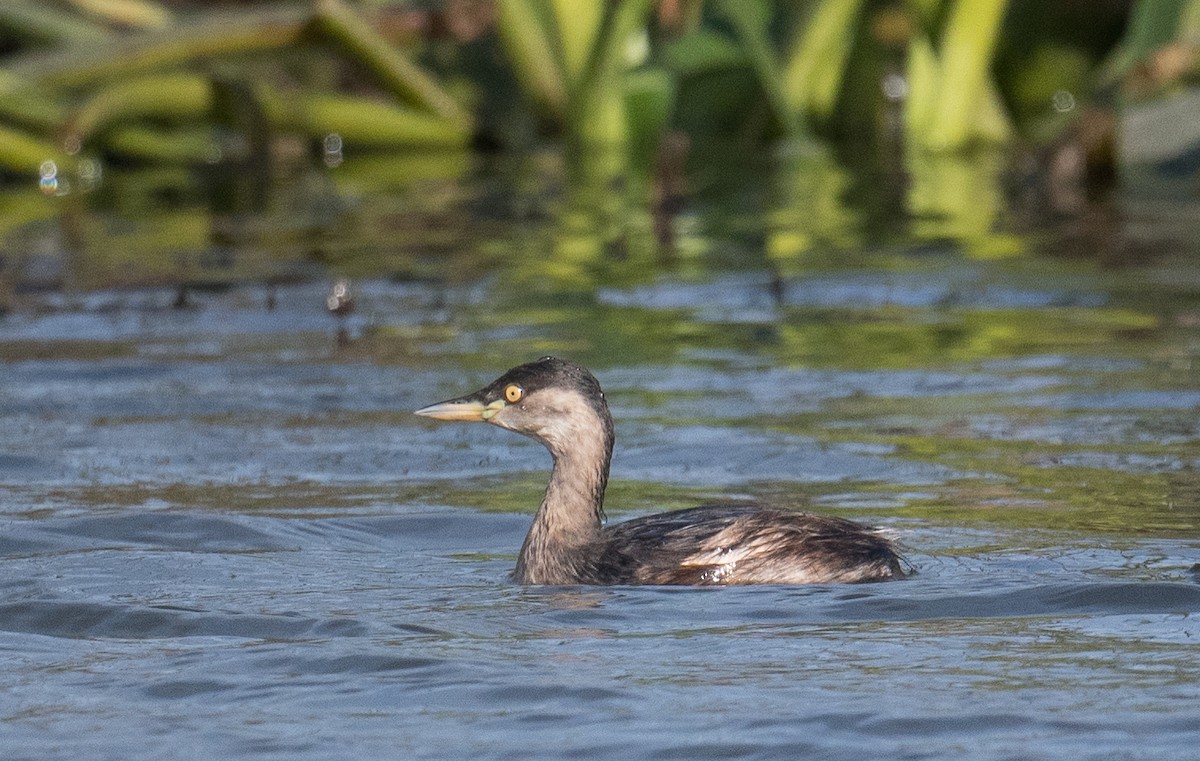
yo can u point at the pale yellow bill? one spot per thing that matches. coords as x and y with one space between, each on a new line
453 411
456 410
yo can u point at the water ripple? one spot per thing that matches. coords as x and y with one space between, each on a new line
76 620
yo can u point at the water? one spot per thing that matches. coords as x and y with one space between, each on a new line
224 534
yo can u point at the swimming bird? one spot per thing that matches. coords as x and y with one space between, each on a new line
561 405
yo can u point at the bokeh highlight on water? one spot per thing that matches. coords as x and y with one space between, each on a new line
224 534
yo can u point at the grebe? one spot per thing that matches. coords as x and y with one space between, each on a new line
561 405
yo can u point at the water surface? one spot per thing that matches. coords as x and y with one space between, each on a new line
224 534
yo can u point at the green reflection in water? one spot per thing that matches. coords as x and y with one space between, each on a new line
903 338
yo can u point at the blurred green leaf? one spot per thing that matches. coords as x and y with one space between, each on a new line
926 12
183 146
394 69
174 97
818 57
965 57
526 39
750 21
703 51
31 110
24 154
649 99
577 25
923 76
598 105
368 124
40 23
137 14
225 34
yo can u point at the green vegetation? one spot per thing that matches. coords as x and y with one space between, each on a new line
82 96
120 78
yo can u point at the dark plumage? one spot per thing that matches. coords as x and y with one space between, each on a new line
562 406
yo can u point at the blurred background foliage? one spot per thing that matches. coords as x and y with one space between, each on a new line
642 101
177 82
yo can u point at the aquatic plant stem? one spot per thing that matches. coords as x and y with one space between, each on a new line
41 23
232 34
968 42
597 115
816 63
577 25
170 96
137 14
750 25
526 41
395 70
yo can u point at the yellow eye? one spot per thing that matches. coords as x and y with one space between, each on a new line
513 393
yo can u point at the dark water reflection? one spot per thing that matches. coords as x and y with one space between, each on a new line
223 533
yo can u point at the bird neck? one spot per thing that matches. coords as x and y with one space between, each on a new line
571 513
